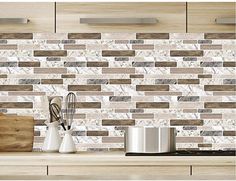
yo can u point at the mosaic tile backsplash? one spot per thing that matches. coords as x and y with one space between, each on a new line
124 79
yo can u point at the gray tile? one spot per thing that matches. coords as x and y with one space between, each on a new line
211 133
75 64
68 41
8 64
188 98
53 59
120 98
136 41
229 81
204 110
29 81
189 128
205 41
3 41
97 81
165 81
121 59
136 110
189 59
143 64
211 64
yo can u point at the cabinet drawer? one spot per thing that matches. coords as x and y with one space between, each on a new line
214 170
171 17
119 170
23 170
201 17
14 16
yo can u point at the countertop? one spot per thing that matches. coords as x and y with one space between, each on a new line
108 158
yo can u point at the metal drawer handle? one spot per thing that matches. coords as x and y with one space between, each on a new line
118 20
14 20
226 21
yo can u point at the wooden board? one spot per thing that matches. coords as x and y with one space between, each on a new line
16 133
201 17
171 16
40 15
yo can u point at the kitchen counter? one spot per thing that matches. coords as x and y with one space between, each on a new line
113 166
108 158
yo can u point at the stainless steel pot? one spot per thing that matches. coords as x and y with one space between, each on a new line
150 139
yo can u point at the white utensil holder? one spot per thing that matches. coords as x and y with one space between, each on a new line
52 140
67 145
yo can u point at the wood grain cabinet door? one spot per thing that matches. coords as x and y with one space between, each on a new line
211 17
22 170
118 170
214 170
121 17
27 17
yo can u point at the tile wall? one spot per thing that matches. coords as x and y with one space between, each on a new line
124 79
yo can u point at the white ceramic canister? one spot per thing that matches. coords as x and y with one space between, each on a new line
67 145
52 140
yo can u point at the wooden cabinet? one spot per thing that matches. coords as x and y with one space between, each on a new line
121 17
119 170
214 170
27 17
23 170
201 17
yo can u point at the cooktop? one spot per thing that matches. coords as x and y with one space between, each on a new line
188 153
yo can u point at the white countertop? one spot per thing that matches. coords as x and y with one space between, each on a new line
108 158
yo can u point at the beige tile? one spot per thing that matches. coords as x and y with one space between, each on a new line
118 70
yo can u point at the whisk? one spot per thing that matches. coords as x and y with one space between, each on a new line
70 108
55 110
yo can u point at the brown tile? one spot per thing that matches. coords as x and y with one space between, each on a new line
152 105
8 47
39 122
66 76
74 47
16 35
84 87
133 76
80 116
152 87
51 81
220 87
115 139
95 93
204 145
16 88
186 122
186 53
118 70
165 64
16 105
118 122
88 105
189 110
152 36
121 110
26 93
186 70
97 133
97 64
3 75
189 41
188 81
229 64
50 70
120 81
50 53
219 105
143 47
204 76
188 139
211 116
118 53
229 133
211 47
220 36
142 116
84 35
29 64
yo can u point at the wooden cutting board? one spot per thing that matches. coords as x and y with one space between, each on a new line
16 133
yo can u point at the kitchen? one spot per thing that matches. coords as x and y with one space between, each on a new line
117 90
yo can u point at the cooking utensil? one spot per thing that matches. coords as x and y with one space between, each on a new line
57 100
150 139
70 108
57 114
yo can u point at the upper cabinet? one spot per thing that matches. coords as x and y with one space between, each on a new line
27 17
211 17
121 17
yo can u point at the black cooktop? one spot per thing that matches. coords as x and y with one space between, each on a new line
187 153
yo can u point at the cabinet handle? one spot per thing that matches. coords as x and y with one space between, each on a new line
14 20
226 21
118 20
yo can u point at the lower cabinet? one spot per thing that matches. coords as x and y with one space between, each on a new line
118 170
214 170
23 170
